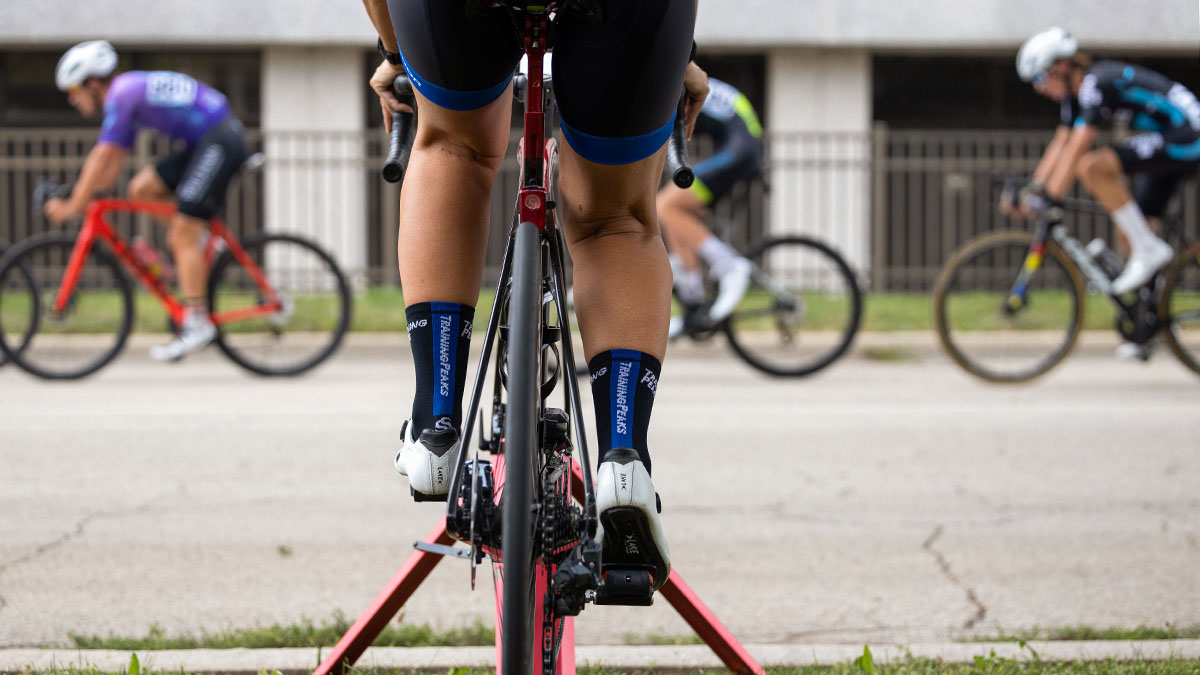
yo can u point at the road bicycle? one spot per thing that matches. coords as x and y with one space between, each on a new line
531 507
280 302
21 340
1009 304
800 313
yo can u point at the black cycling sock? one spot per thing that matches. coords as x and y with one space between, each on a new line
439 334
624 382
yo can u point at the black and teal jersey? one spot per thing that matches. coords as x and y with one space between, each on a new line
729 119
1141 100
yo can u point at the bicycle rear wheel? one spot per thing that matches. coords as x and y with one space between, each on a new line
93 324
981 331
22 309
801 311
1179 307
307 325
521 454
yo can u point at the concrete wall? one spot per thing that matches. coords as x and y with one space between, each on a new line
819 104
312 123
1172 25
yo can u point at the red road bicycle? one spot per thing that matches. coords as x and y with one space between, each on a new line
280 302
531 507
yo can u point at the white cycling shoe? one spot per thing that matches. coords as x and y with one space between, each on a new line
1142 267
427 461
731 286
196 333
630 533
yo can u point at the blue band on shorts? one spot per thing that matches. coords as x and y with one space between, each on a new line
616 150
452 99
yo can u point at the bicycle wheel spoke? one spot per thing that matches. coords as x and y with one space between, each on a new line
801 312
293 323
1001 340
1182 307
77 337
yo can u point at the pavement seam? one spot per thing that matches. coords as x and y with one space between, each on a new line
944 566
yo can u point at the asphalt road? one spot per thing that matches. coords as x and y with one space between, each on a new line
880 501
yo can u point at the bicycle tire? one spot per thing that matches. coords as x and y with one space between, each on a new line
252 344
1019 243
35 310
736 327
521 453
1183 273
45 256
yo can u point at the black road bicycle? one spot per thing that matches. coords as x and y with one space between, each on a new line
1009 304
800 313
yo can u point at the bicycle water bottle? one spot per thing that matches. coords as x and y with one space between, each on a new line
1105 257
154 263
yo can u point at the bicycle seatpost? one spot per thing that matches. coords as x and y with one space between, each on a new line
677 159
404 126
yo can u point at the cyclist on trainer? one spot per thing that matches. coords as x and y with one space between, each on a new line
460 56
728 118
196 177
1164 154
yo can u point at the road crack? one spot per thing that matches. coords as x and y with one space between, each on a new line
944 565
75 532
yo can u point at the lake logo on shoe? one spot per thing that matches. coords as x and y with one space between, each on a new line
624 481
631 546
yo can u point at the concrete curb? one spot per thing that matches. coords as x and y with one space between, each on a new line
666 658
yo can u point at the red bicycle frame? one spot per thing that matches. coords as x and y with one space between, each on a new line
96 226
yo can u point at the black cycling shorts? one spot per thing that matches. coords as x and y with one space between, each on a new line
617 80
1157 167
200 174
738 159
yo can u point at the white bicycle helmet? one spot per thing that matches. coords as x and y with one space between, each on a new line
96 58
1042 50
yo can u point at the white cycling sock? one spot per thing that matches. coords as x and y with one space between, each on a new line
718 255
689 284
1131 221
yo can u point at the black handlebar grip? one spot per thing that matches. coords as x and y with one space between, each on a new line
677 159
403 130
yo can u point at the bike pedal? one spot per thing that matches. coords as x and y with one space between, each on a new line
629 587
422 497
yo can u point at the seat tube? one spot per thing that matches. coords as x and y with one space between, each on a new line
79 254
533 191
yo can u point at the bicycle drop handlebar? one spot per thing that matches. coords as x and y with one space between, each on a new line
404 129
404 126
677 159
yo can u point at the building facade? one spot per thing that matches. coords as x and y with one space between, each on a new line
841 86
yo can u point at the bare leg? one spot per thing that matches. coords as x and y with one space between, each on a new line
445 200
679 215
184 238
183 234
1101 173
622 277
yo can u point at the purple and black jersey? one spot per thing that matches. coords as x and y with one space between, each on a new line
176 105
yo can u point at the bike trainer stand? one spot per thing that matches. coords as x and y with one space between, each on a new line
418 566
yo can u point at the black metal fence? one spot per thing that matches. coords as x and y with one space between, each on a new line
895 202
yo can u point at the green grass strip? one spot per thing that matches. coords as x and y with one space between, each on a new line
305 633
1165 632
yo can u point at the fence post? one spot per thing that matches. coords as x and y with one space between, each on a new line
878 276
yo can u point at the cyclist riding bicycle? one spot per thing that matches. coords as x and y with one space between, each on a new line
195 177
1164 152
729 120
461 56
